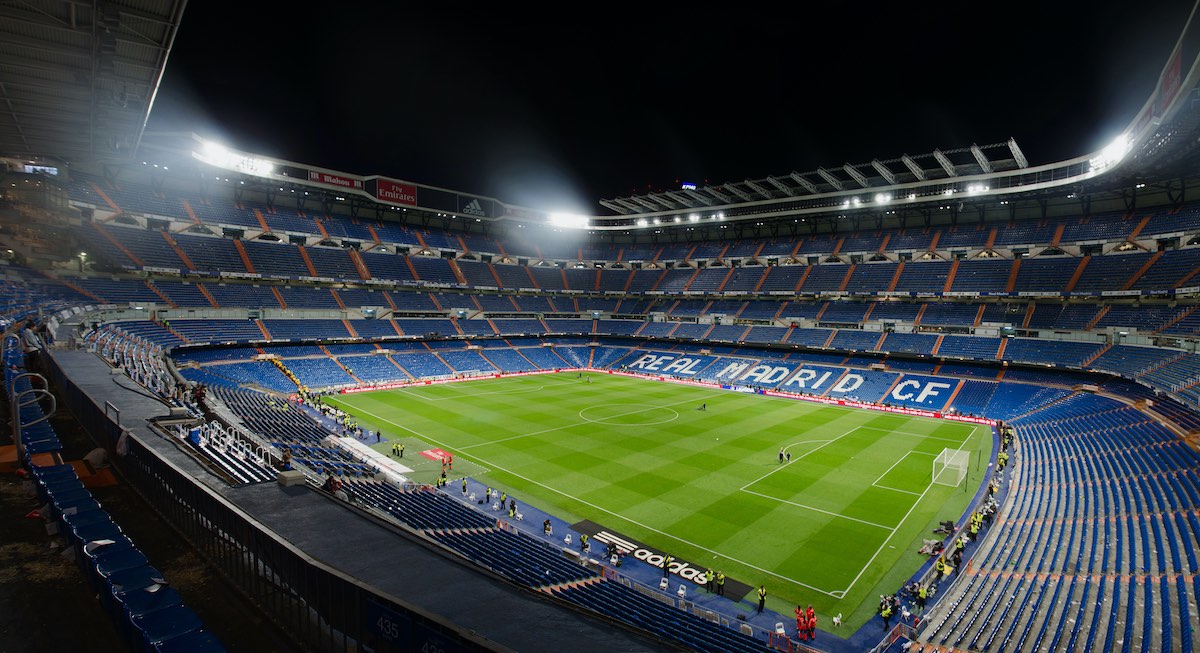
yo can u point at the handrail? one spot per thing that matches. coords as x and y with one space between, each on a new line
18 400
109 405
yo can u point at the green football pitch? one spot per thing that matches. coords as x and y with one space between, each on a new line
836 526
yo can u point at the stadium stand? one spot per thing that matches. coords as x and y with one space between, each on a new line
1070 325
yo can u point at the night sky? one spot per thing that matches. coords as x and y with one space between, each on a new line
558 109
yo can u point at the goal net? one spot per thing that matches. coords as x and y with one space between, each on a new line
950 467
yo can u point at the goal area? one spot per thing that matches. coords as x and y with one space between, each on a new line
950 467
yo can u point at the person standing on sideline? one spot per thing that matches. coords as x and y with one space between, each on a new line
922 594
464 486
487 496
667 560
720 583
401 449
708 580
886 613
762 598
781 455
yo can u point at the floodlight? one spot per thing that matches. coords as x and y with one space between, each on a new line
1111 154
220 156
568 221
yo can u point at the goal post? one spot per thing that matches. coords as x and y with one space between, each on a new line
950 467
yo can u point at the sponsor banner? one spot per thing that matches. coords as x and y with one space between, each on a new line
394 192
241 275
524 214
967 418
341 181
683 365
1121 293
149 268
629 547
409 384
325 279
473 206
1168 85
961 293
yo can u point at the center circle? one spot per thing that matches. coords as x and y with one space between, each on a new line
628 414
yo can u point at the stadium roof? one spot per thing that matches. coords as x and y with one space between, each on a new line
78 79
78 82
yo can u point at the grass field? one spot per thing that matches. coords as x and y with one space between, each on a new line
836 527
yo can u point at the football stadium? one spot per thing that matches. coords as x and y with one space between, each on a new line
937 402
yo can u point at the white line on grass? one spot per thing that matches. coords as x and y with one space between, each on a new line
916 503
619 516
838 594
889 470
891 529
887 539
567 426
471 394
798 458
825 512
917 435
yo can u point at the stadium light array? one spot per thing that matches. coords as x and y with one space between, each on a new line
220 156
568 221
1111 154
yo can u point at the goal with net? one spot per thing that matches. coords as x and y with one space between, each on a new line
950 467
